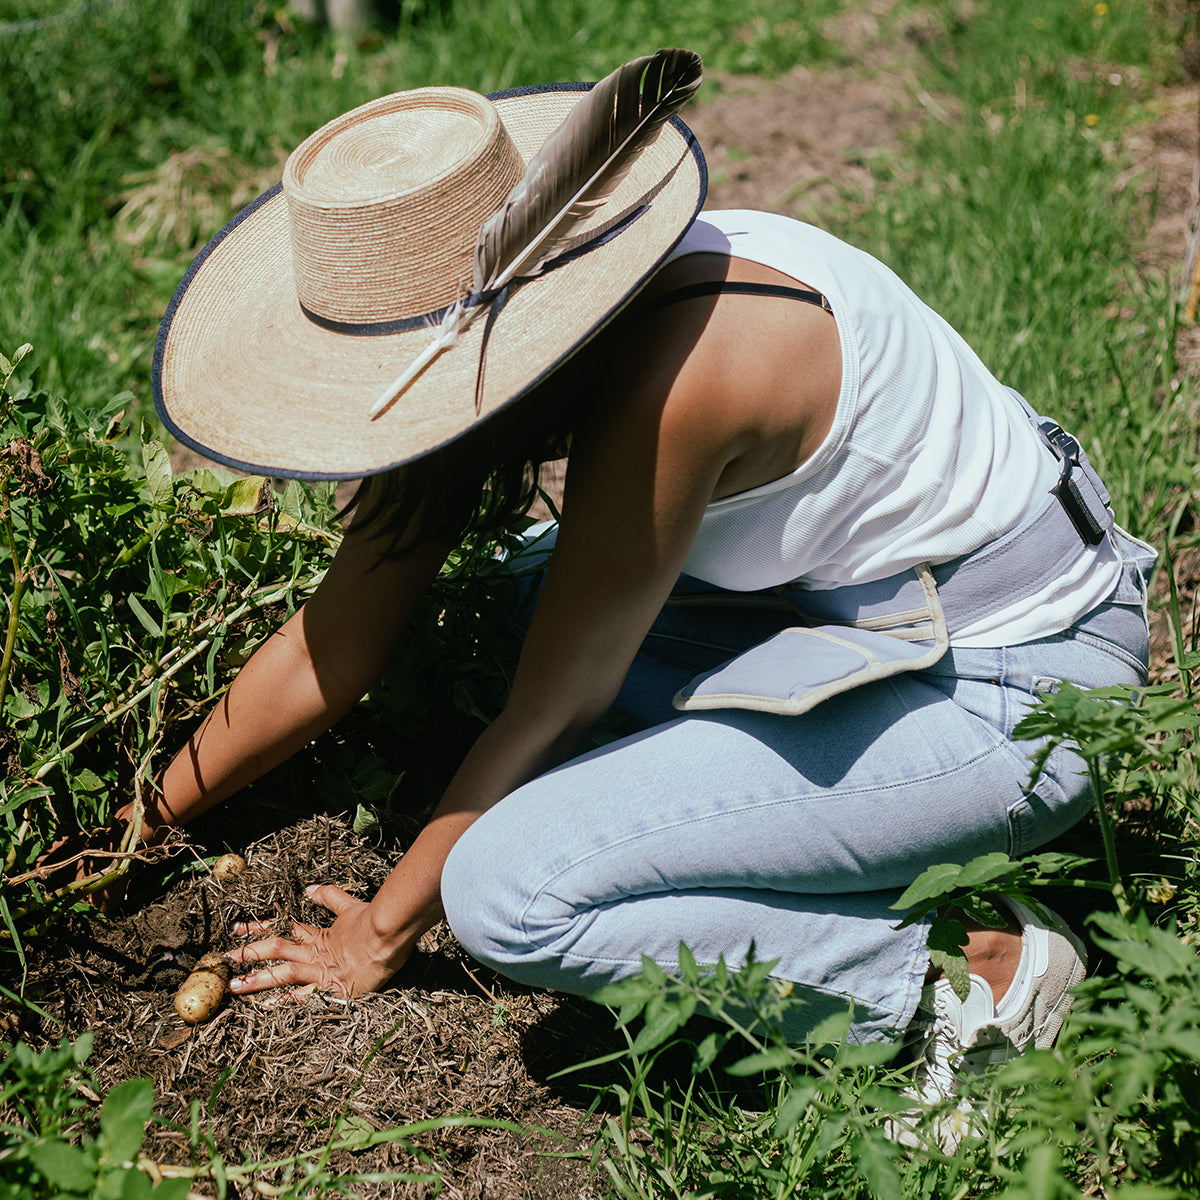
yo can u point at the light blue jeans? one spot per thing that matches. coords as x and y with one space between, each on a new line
795 833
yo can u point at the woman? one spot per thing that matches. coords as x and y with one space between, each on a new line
779 457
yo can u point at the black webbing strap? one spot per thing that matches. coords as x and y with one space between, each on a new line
715 287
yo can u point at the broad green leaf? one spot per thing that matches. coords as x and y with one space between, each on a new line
18 707
64 1166
365 821
662 1021
938 880
954 968
355 1129
832 1030
687 965
708 1049
984 869
124 1183
173 1189
211 481
157 464
794 1106
123 1119
875 1159
245 497
87 780
289 501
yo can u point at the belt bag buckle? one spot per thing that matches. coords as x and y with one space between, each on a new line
1078 489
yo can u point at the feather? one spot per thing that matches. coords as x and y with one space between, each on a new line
576 170
582 163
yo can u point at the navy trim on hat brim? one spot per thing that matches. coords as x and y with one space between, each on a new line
278 472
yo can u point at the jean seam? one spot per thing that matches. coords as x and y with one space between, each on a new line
1105 646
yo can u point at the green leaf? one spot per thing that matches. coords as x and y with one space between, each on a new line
355 1129
157 464
954 967
289 501
687 965
64 1166
88 782
173 1189
365 821
245 497
123 1119
794 1106
19 707
935 881
875 1159
774 1059
662 1021
139 610
832 1030
984 869
124 1183
708 1049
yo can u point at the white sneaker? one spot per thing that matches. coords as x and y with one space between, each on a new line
960 1037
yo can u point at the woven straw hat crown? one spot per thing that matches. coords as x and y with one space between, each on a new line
385 203
315 297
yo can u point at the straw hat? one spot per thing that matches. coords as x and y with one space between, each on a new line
303 311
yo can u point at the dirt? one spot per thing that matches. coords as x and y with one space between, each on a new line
270 1081
272 1078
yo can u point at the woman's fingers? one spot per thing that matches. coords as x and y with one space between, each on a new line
306 957
281 974
291 962
252 928
332 898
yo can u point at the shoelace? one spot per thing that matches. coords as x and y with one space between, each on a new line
943 1048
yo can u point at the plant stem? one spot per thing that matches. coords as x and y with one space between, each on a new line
1108 835
247 605
20 582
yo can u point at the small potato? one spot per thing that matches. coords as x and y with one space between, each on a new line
228 864
203 991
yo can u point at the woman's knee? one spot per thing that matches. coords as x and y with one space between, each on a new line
487 900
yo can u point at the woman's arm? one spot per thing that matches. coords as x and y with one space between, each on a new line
696 402
306 676
640 476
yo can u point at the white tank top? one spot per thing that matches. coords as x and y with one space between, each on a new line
928 458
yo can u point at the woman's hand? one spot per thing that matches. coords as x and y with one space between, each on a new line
349 958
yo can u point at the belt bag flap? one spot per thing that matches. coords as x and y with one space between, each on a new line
798 668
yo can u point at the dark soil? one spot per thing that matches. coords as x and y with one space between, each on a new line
448 1037
275 1078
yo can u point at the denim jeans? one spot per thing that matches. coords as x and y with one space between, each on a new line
795 833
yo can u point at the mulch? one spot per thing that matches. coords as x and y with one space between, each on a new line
272 1079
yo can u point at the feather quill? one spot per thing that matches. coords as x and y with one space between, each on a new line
576 170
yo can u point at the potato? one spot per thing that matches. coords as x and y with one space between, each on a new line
228 864
203 991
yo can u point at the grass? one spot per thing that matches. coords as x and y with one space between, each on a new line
1012 212
103 103
1012 208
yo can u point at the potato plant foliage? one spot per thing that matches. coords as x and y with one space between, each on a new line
132 595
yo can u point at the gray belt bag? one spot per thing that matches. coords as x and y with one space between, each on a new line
854 635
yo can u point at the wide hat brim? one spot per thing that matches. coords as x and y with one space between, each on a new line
245 377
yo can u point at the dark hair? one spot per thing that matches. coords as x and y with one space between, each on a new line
476 483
